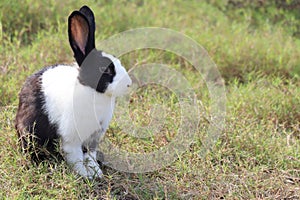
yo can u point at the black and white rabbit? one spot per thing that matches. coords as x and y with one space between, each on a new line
62 102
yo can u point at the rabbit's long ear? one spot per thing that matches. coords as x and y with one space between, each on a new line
81 35
88 13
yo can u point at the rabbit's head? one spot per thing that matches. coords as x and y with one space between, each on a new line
99 70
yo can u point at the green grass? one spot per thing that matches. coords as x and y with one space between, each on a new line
256 49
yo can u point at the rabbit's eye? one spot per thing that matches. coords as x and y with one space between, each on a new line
102 70
107 75
110 69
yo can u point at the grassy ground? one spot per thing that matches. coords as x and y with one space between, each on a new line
257 53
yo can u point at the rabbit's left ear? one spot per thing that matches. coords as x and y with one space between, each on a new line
88 13
81 28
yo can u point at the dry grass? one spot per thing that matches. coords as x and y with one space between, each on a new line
257 154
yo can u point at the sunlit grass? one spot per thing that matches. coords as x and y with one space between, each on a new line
257 155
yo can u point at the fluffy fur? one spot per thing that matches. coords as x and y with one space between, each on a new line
54 102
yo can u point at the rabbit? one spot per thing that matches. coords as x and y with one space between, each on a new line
72 103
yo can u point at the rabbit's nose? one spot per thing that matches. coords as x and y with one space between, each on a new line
130 83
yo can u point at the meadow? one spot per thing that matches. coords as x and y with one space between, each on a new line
254 44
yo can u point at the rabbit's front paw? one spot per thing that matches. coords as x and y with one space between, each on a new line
80 169
94 172
92 166
88 170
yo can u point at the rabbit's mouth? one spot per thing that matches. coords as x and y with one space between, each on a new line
120 88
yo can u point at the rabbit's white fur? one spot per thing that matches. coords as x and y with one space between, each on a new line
86 112
63 101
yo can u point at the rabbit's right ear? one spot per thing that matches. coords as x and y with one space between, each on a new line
81 35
